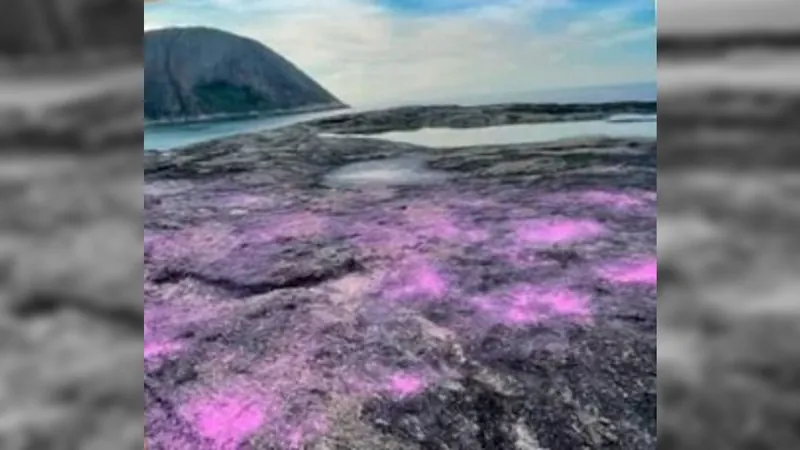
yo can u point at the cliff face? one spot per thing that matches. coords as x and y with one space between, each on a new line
191 72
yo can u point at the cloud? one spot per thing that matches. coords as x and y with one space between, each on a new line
366 51
727 16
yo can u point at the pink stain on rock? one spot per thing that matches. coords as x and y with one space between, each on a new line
407 384
298 436
153 350
641 271
416 277
296 439
527 305
617 200
226 420
557 231
474 235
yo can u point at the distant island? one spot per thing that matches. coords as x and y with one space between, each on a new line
199 73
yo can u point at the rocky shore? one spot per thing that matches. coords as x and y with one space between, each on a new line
509 305
455 116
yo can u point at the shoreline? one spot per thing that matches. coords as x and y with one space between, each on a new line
408 118
242 116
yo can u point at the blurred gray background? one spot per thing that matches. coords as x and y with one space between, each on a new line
728 224
71 225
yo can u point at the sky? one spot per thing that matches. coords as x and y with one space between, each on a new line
376 51
727 16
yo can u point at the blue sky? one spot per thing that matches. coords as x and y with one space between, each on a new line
370 51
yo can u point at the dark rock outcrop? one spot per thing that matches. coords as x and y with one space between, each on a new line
455 116
196 72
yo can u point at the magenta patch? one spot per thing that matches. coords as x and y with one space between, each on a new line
557 231
153 350
617 200
407 384
297 437
528 305
642 271
226 420
415 278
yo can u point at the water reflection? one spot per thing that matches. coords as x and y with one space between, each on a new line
407 170
520 134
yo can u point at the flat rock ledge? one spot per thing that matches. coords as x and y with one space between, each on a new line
511 305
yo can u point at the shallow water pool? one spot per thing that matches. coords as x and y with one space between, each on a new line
407 170
519 134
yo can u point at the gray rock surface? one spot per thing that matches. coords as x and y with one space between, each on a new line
455 116
509 306
194 72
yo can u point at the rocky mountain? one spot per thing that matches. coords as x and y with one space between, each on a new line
195 71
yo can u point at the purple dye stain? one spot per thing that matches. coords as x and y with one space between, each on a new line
416 278
157 349
475 235
296 439
528 305
557 231
639 271
226 420
297 436
402 385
